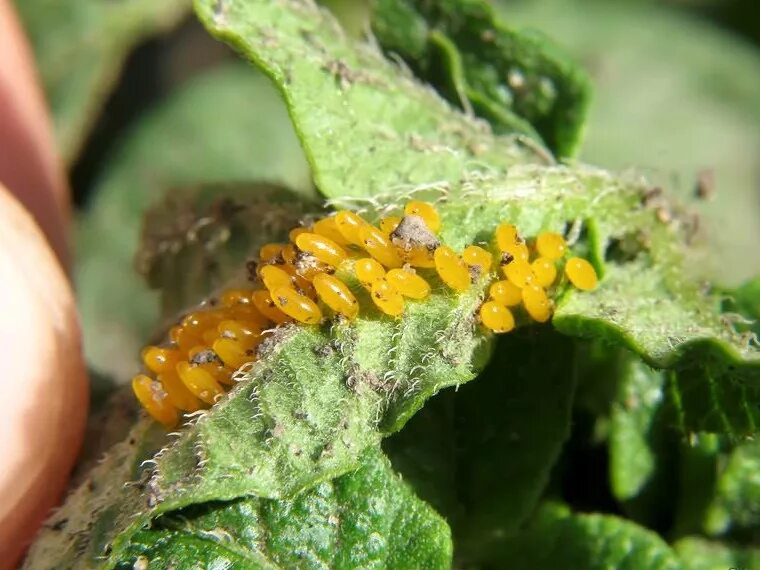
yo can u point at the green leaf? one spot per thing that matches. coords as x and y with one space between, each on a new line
745 301
590 542
735 506
643 445
479 455
517 81
670 324
368 518
700 554
368 128
209 131
674 95
632 459
80 48
696 485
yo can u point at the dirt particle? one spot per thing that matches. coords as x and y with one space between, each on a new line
413 232
206 356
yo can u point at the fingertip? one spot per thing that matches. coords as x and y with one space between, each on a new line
30 165
43 385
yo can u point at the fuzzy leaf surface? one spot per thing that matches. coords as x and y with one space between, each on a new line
79 49
368 127
368 518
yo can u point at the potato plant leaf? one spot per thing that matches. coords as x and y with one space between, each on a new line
642 445
519 82
700 554
80 48
402 135
735 506
588 541
368 518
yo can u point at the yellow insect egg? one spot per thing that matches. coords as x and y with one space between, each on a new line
451 269
200 382
418 257
199 321
408 283
336 295
275 277
158 359
368 271
295 232
506 236
581 273
301 282
387 298
248 314
155 400
518 272
379 246
387 225
232 297
544 270
328 228
324 249
517 251
178 394
264 303
476 256
209 336
425 211
183 338
349 224
505 293
536 302
496 317
551 245
244 332
221 374
269 251
289 254
298 306
232 352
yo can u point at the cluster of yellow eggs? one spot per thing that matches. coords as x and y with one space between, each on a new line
305 277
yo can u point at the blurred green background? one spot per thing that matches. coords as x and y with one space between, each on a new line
145 102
